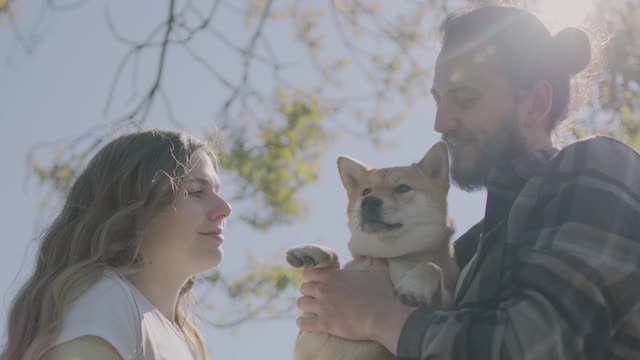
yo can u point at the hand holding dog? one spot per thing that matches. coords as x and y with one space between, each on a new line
354 305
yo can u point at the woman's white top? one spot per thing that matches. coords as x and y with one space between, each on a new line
116 311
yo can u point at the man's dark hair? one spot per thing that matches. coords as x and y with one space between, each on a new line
523 49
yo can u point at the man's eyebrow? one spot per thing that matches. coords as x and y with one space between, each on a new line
459 87
454 90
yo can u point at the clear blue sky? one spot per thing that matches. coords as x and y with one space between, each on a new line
60 90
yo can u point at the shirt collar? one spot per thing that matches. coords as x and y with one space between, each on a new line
515 173
505 183
533 163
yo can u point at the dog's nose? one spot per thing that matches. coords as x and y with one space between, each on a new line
371 203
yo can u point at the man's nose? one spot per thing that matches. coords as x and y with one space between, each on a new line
445 121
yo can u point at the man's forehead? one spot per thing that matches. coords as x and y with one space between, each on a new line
456 67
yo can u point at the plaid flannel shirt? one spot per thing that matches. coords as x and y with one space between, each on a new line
553 269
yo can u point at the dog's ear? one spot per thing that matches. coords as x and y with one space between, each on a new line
352 172
435 164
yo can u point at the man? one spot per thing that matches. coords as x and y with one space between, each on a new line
553 269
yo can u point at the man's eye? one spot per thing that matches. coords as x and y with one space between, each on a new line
401 189
465 102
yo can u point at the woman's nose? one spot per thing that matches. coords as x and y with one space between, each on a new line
220 208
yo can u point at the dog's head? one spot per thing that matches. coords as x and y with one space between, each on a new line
399 210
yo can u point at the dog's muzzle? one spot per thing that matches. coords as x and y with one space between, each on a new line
371 216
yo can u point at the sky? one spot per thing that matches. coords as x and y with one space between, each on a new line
59 90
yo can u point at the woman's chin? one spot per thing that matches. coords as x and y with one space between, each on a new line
217 258
210 260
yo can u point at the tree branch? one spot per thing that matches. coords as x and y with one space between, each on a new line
199 59
70 6
147 102
246 64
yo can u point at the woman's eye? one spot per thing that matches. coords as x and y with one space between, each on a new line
403 188
366 191
196 193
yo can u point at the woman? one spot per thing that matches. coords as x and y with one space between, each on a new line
117 266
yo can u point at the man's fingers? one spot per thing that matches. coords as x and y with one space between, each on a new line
309 320
310 289
308 304
379 264
317 275
310 323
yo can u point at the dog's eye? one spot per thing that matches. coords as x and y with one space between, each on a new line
400 189
366 191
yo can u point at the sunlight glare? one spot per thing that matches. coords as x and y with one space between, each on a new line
558 14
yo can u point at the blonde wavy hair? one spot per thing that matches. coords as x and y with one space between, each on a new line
128 182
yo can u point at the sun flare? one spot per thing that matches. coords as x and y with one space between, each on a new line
558 14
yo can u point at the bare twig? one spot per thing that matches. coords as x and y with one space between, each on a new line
242 51
134 51
121 38
169 107
26 45
246 64
353 49
145 105
390 31
206 20
69 6
199 59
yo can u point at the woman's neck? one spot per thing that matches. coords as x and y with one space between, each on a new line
161 290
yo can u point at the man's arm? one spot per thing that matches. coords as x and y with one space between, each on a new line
576 277
575 272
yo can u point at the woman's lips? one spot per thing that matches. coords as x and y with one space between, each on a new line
217 236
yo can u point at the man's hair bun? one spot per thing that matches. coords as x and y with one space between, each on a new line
571 50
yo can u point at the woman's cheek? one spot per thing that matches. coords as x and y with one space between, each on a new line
191 208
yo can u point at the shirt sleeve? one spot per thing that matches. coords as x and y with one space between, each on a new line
576 271
106 310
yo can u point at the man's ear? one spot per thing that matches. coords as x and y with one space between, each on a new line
536 105
435 164
352 172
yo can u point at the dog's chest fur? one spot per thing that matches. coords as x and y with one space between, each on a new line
419 281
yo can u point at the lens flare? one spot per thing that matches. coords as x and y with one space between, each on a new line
558 14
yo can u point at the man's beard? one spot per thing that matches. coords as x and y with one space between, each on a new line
505 144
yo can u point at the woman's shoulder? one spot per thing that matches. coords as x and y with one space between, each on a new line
108 287
108 300
106 310
84 347
106 296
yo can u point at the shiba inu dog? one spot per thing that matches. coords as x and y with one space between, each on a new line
399 214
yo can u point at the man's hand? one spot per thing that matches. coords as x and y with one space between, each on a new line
352 304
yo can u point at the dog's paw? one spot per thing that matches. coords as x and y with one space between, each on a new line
411 300
420 285
311 256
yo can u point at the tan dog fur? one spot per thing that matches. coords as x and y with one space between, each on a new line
418 252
